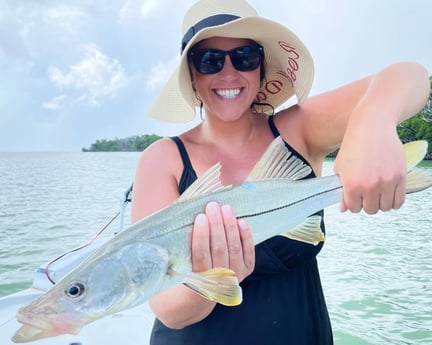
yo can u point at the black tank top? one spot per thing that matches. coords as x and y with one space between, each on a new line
283 301
189 175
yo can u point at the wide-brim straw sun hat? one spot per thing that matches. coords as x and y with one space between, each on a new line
288 63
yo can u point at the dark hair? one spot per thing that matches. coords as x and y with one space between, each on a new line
262 67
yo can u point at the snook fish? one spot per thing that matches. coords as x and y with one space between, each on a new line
154 253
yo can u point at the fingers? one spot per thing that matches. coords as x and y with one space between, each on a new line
233 241
373 196
200 245
220 240
373 179
241 249
400 194
248 246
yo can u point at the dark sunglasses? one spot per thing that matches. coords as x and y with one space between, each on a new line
210 61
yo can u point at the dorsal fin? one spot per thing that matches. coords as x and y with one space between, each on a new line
278 162
208 182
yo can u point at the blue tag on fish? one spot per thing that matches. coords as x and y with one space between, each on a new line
248 186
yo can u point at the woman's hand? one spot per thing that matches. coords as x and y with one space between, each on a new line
371 161
372 168
220 240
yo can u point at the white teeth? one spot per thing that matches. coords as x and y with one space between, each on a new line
229 94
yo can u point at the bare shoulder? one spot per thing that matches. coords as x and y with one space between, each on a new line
159 155
156 178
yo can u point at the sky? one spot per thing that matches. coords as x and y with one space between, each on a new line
73 72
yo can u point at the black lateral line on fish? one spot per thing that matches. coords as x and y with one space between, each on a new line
287 205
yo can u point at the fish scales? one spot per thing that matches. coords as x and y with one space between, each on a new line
154 253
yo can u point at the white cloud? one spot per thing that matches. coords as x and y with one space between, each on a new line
95 77
159 9
54 103
137 9
160 73
67 18
45 71
148 7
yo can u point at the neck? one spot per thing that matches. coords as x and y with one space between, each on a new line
232 132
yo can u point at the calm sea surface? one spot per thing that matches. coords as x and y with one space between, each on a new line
376 270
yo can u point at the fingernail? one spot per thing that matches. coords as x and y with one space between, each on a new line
212 208
200 219
243 224
227 211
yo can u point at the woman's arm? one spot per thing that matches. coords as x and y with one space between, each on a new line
218 239
371 161
360 119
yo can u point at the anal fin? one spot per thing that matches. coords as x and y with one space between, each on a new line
309 231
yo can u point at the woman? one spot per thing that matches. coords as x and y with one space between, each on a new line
235 65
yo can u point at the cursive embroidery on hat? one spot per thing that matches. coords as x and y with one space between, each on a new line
275 86
292 66
272 87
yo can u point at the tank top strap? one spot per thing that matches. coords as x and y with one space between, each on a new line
183 153
276 133
188 175
273 128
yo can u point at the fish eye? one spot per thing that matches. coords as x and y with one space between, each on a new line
75 290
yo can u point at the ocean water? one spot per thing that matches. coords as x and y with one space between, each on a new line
376 270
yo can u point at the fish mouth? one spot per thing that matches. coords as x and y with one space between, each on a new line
35 328
27 333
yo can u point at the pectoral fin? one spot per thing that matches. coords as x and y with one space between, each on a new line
309 231
218 285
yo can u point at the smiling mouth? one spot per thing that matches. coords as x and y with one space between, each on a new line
228 93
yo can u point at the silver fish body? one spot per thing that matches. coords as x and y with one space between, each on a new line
154 253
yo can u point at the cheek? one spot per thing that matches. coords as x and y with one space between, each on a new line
200 84
256 81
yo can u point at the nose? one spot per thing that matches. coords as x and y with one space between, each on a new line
228 68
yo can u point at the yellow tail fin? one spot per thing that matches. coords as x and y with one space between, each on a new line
417 180
415 152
